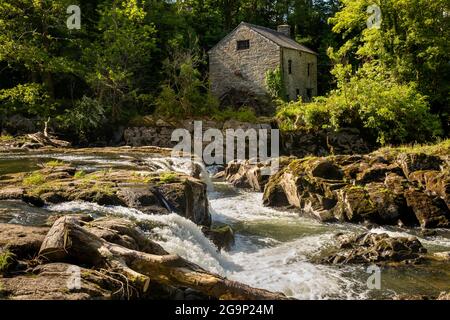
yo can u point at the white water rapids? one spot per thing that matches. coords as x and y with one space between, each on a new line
272 249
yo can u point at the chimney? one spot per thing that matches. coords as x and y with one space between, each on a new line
285 29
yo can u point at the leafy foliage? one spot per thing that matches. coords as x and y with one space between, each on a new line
275 84
372 101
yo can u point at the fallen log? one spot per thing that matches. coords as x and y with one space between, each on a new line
67 240
47 140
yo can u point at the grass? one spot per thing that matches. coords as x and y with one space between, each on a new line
33 179
79 174
168 177
54 163
6 259
440 148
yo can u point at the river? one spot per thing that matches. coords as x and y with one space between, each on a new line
272 249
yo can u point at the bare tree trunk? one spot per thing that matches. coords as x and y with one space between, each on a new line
68 240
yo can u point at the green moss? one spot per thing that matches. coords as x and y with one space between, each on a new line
33 179
6 137
54 163
168 177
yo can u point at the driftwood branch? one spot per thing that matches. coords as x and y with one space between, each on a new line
68 240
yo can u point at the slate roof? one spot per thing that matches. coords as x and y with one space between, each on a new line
274 36
279 38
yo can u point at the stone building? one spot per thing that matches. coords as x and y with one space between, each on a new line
241 59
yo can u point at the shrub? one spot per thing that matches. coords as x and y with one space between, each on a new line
87 115
372 101
275 84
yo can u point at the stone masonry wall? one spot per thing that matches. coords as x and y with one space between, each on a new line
299 79
242 69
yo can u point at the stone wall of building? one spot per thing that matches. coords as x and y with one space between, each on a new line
298 82
230 68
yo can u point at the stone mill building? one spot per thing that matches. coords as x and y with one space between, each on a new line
241 59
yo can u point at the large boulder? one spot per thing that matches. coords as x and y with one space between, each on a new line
431 212
148 191
374 248
23 241
410 162
246 174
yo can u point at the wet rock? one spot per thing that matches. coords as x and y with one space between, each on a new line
375 248
149 192
23 241
222 237
431 212
354 205
143 199
189 199
247 175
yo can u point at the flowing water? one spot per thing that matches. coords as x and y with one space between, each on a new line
272 250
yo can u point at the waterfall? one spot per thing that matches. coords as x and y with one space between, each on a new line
177 235
187 166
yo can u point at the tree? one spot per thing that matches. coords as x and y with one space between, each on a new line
118 58
413 42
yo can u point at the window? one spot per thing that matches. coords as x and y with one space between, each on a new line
297 92
309 93
309 69
243 44
290 66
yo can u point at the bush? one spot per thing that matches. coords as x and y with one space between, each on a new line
371 101
275 84
87 115
243 114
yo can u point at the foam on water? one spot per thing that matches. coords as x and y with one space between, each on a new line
182 165
179 235
283 267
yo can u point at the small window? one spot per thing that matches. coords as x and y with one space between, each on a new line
309 69
309 93
290 66
243 44
297 92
